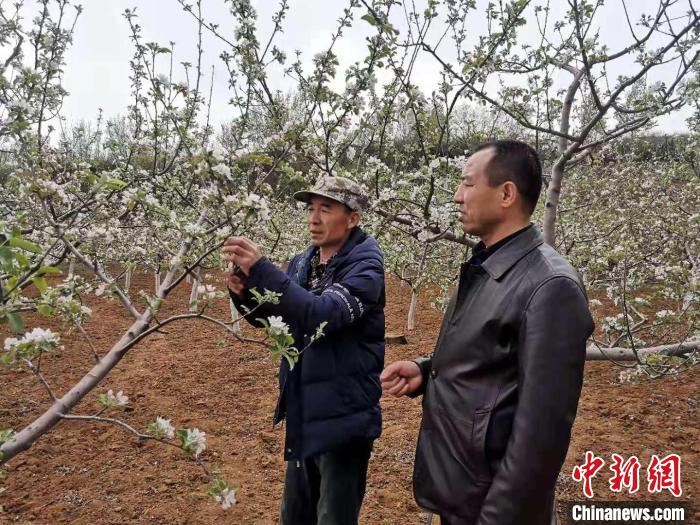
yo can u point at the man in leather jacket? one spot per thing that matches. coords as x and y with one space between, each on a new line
501 389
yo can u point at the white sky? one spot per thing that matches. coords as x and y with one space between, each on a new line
97 71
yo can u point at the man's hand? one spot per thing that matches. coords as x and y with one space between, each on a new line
236 284
401 378
241 252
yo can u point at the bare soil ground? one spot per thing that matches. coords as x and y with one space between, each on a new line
199 377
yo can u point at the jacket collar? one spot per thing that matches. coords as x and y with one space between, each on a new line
510 253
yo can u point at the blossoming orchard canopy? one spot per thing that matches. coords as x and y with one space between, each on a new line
339 189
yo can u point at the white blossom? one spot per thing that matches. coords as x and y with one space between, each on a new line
38 336
195 440
151 201
118 399
226 497
21 105
218 153
656 86
207 290
163 79
259 204
164 427
223 170
10 343
277 326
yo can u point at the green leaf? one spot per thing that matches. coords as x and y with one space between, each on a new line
369 18
16 323
113 183
48 270
45 309
22 260
40 284
289 360
6 255
24 244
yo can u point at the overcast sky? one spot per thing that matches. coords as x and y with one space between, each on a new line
97 71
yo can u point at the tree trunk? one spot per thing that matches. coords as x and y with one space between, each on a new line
626 354
415 289
28 435
549 221
127 280
551 202
71 268
694 280
235 315
411 325
193 293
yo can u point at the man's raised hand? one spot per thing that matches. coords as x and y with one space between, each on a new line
242 252
236 284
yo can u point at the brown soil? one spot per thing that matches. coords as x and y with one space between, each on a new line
199 377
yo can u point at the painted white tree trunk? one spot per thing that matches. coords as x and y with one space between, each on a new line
26 437
411 324
235 315
694 277
193 293
415 289
551 202
549 221
71 268
127 280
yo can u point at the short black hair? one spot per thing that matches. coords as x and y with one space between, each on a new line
519 163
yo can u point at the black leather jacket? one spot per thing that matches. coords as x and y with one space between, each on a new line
502 388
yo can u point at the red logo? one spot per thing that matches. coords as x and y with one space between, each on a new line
584 473
665 474
662 474
625 474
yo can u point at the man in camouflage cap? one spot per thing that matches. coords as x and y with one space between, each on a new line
330 399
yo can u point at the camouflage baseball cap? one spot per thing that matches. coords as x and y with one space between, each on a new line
339 189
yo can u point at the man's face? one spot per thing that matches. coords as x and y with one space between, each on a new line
479 203
329 221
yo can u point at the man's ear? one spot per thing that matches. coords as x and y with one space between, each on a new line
509 194
354 219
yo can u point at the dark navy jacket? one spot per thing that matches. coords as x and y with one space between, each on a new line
332 394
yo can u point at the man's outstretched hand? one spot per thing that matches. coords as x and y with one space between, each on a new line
401 378
236 283
242 252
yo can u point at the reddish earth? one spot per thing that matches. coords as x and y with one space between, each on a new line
199 377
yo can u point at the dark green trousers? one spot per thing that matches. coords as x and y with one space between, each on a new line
327 489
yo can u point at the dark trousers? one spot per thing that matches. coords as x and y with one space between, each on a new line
327 489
